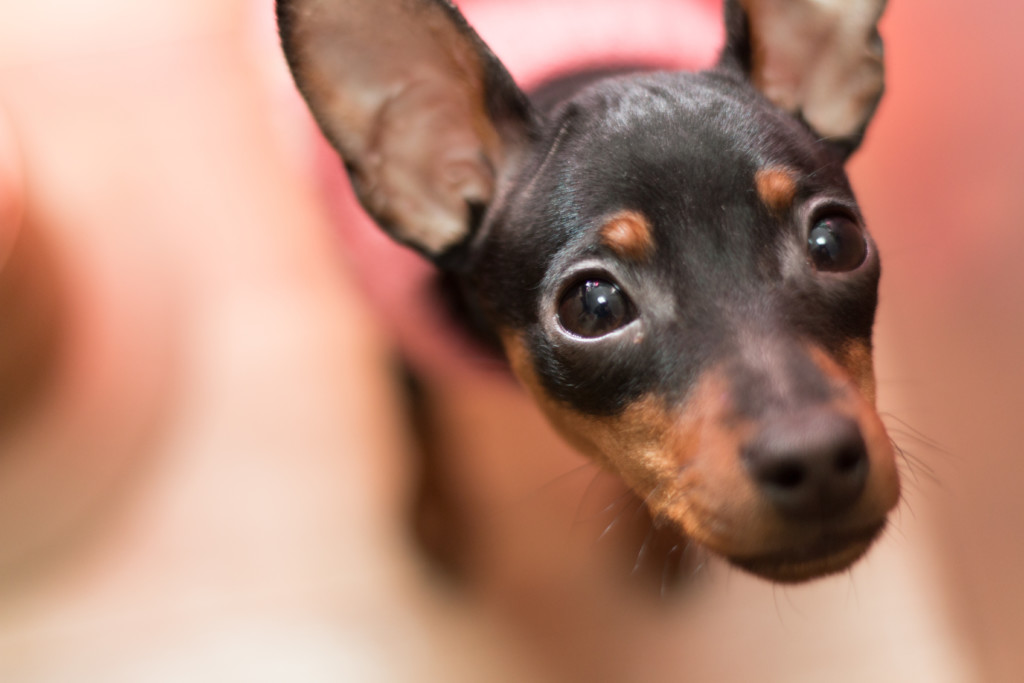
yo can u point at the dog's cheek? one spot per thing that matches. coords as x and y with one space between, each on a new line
630 442
681 460
857 359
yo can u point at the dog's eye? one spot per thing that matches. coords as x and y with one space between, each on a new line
836 244
593 308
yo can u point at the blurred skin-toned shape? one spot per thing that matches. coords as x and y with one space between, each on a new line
208 483
203 471
944 172
12 189
25 327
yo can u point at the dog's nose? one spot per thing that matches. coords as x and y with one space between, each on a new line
809 465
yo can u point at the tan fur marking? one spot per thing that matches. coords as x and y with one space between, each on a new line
776 186
856 358
629 235
686 463
630 443
683 463
854 368
851 364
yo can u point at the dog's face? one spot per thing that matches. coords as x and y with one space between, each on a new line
676 267
682 278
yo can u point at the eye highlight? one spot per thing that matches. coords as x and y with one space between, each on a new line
594 307
836 244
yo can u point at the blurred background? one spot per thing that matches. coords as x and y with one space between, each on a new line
939 182
204 471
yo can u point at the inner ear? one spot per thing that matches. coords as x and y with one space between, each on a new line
817 59
423 113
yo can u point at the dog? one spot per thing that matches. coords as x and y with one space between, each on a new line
673 263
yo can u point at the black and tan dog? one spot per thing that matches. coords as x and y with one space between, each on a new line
674 263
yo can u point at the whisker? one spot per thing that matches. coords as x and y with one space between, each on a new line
919 465
914 474
666 570
905 466
911 432
896 535
852 589
905 437
917 468
697 550
778 610
619 517
789 601
578 517
905 503
557 481
622 500
642 553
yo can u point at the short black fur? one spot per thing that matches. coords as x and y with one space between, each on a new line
746 350
681 149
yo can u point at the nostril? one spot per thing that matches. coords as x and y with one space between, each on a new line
785 475
850 459
812 464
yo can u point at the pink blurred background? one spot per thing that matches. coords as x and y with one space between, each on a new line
181 445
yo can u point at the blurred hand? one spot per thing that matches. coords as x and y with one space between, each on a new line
206 475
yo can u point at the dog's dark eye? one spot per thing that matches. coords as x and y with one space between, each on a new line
593 308
836 244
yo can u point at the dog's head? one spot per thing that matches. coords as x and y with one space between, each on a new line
674 262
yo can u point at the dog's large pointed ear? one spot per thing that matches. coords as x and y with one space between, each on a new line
423 113
817 59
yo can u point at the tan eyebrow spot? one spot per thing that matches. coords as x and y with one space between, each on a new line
629 235
776 186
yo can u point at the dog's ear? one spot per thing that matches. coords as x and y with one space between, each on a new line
423 113
817 59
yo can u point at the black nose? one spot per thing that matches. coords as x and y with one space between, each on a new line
813 464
